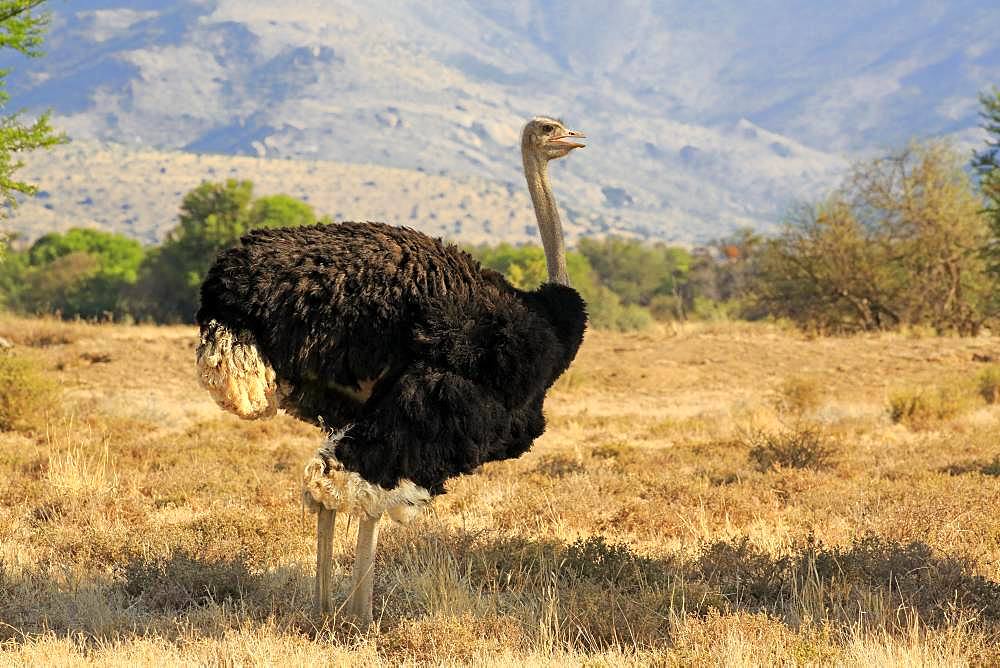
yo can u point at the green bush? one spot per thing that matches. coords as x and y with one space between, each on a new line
81 273
989 384
636 271
895 246
213 217
524 267
95 275
26 396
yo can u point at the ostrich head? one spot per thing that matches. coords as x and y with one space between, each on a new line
548 139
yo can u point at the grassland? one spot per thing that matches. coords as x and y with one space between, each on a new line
715 495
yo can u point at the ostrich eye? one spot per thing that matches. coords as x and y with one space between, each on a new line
548 128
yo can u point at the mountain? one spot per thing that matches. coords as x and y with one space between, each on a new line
702 116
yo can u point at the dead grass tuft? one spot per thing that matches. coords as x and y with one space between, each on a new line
615 450
42 332
799 395
452 639
78 472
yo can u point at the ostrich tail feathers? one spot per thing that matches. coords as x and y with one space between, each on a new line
235 373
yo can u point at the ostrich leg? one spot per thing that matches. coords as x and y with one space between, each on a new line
325 521
359 605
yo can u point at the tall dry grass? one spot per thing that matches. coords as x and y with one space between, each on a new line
694 502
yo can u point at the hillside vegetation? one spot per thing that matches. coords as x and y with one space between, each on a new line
137 192
705 495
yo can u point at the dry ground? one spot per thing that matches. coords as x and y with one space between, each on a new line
726 494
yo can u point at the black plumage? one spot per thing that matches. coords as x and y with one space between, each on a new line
460 358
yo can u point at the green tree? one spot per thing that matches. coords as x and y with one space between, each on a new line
82 273
524 267
213 217
118 255
986 163
280 211
719 281
21 29
637 272
899 243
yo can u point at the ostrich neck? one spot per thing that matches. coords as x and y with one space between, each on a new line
547 214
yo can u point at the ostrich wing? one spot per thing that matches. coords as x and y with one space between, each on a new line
432 424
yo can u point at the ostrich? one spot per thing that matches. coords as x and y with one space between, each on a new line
421 363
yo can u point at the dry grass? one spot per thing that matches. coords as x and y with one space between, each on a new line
799 396
725 495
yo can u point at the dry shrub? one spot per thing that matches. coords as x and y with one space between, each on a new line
799 395
742 573
558 466
589 594
616 450
607 593
988 468
227 533
989 384
616 564
872 574
925 408
185 581
26 396
941 588
803 447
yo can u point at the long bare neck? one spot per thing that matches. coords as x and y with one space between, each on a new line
549 226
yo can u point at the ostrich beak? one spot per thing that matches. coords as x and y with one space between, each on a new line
565 142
